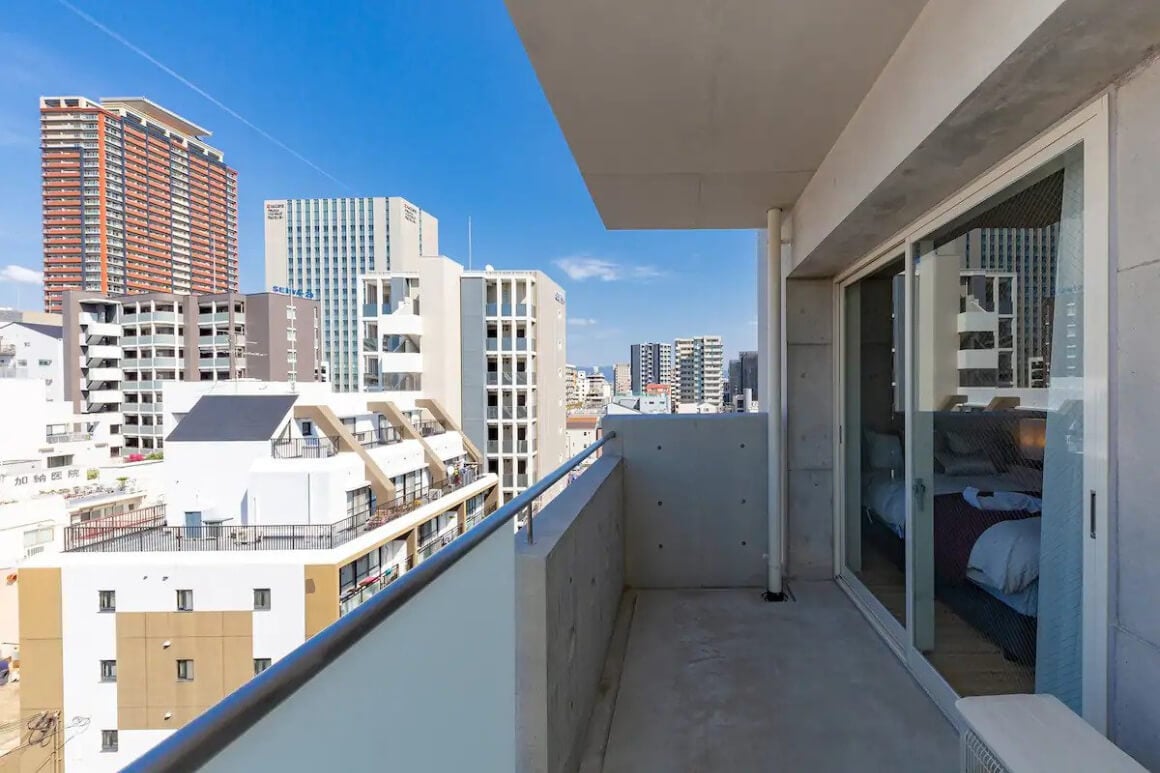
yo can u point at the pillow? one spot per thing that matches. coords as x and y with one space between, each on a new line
960 443
965 464
1006 556
885 451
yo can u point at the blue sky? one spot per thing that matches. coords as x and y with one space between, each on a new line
432 100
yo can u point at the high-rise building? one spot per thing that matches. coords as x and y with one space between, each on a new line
134 201
488 345
119 351
650 363
323 246
622 378
742 379
699 365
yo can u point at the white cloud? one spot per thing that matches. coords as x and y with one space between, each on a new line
21 275
580 268
581 321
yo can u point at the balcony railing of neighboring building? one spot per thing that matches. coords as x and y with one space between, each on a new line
384 436
143 534
91 534
226 736
428 428
67 437
314 447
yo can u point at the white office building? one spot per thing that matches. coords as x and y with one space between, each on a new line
488 345
322 247
700 370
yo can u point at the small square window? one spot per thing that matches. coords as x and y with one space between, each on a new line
108 740
185 601
107 601
108 670
261 598
185 670
260 665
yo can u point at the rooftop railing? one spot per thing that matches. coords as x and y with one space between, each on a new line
149 531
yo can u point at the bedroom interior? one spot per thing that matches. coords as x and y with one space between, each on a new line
979 558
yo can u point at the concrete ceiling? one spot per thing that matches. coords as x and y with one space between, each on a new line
705 113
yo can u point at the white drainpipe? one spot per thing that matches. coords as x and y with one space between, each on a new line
771 400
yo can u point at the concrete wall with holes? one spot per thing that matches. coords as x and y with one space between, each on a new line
809 429
695 499
568 587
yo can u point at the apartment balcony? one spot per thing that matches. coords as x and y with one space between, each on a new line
103 352
67 437
401 322
105 374
140 386
105 396
980 359
220 316
314 447
216 340
508 378
629 635
101 329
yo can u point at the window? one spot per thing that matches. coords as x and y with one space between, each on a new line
184 601
34 537
261 598
60 461
260 665
108 740
107 601
185 670
108 670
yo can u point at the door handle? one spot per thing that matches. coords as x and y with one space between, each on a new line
1092 514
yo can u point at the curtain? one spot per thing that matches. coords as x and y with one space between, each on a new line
1059 647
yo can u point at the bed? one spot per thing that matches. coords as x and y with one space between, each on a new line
986 561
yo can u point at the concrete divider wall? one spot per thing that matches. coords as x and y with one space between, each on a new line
695 499
568 585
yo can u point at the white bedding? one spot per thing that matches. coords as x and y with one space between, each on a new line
1006 556
886 496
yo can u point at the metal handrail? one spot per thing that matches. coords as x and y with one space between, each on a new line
202 739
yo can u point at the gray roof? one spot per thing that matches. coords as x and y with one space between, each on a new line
226 418
48 330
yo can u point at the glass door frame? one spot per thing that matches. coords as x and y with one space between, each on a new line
1089 127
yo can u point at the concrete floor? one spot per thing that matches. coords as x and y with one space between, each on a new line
720 680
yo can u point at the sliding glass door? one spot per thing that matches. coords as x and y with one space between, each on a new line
972 441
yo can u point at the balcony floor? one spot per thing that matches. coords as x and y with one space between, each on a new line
721 680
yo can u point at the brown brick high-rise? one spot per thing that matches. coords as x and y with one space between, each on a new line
134 201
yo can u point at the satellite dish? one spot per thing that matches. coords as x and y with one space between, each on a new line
489 267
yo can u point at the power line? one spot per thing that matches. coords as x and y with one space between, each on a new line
199 90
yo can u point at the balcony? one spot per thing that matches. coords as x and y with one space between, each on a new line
317 447
628 633
105 396
104 374
103 352
102 329
67 437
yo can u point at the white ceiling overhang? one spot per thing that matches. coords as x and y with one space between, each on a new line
705 113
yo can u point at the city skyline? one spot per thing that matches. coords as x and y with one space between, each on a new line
492 153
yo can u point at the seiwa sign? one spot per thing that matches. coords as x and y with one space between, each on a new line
307 294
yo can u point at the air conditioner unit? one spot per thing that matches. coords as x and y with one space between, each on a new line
1034 734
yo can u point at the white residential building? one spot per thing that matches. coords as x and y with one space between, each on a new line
308 503
700 370
488 345
57 468
323 246
575 386
32 350
120 351
599 391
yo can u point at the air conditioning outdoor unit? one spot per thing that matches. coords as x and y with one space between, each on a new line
1034 734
